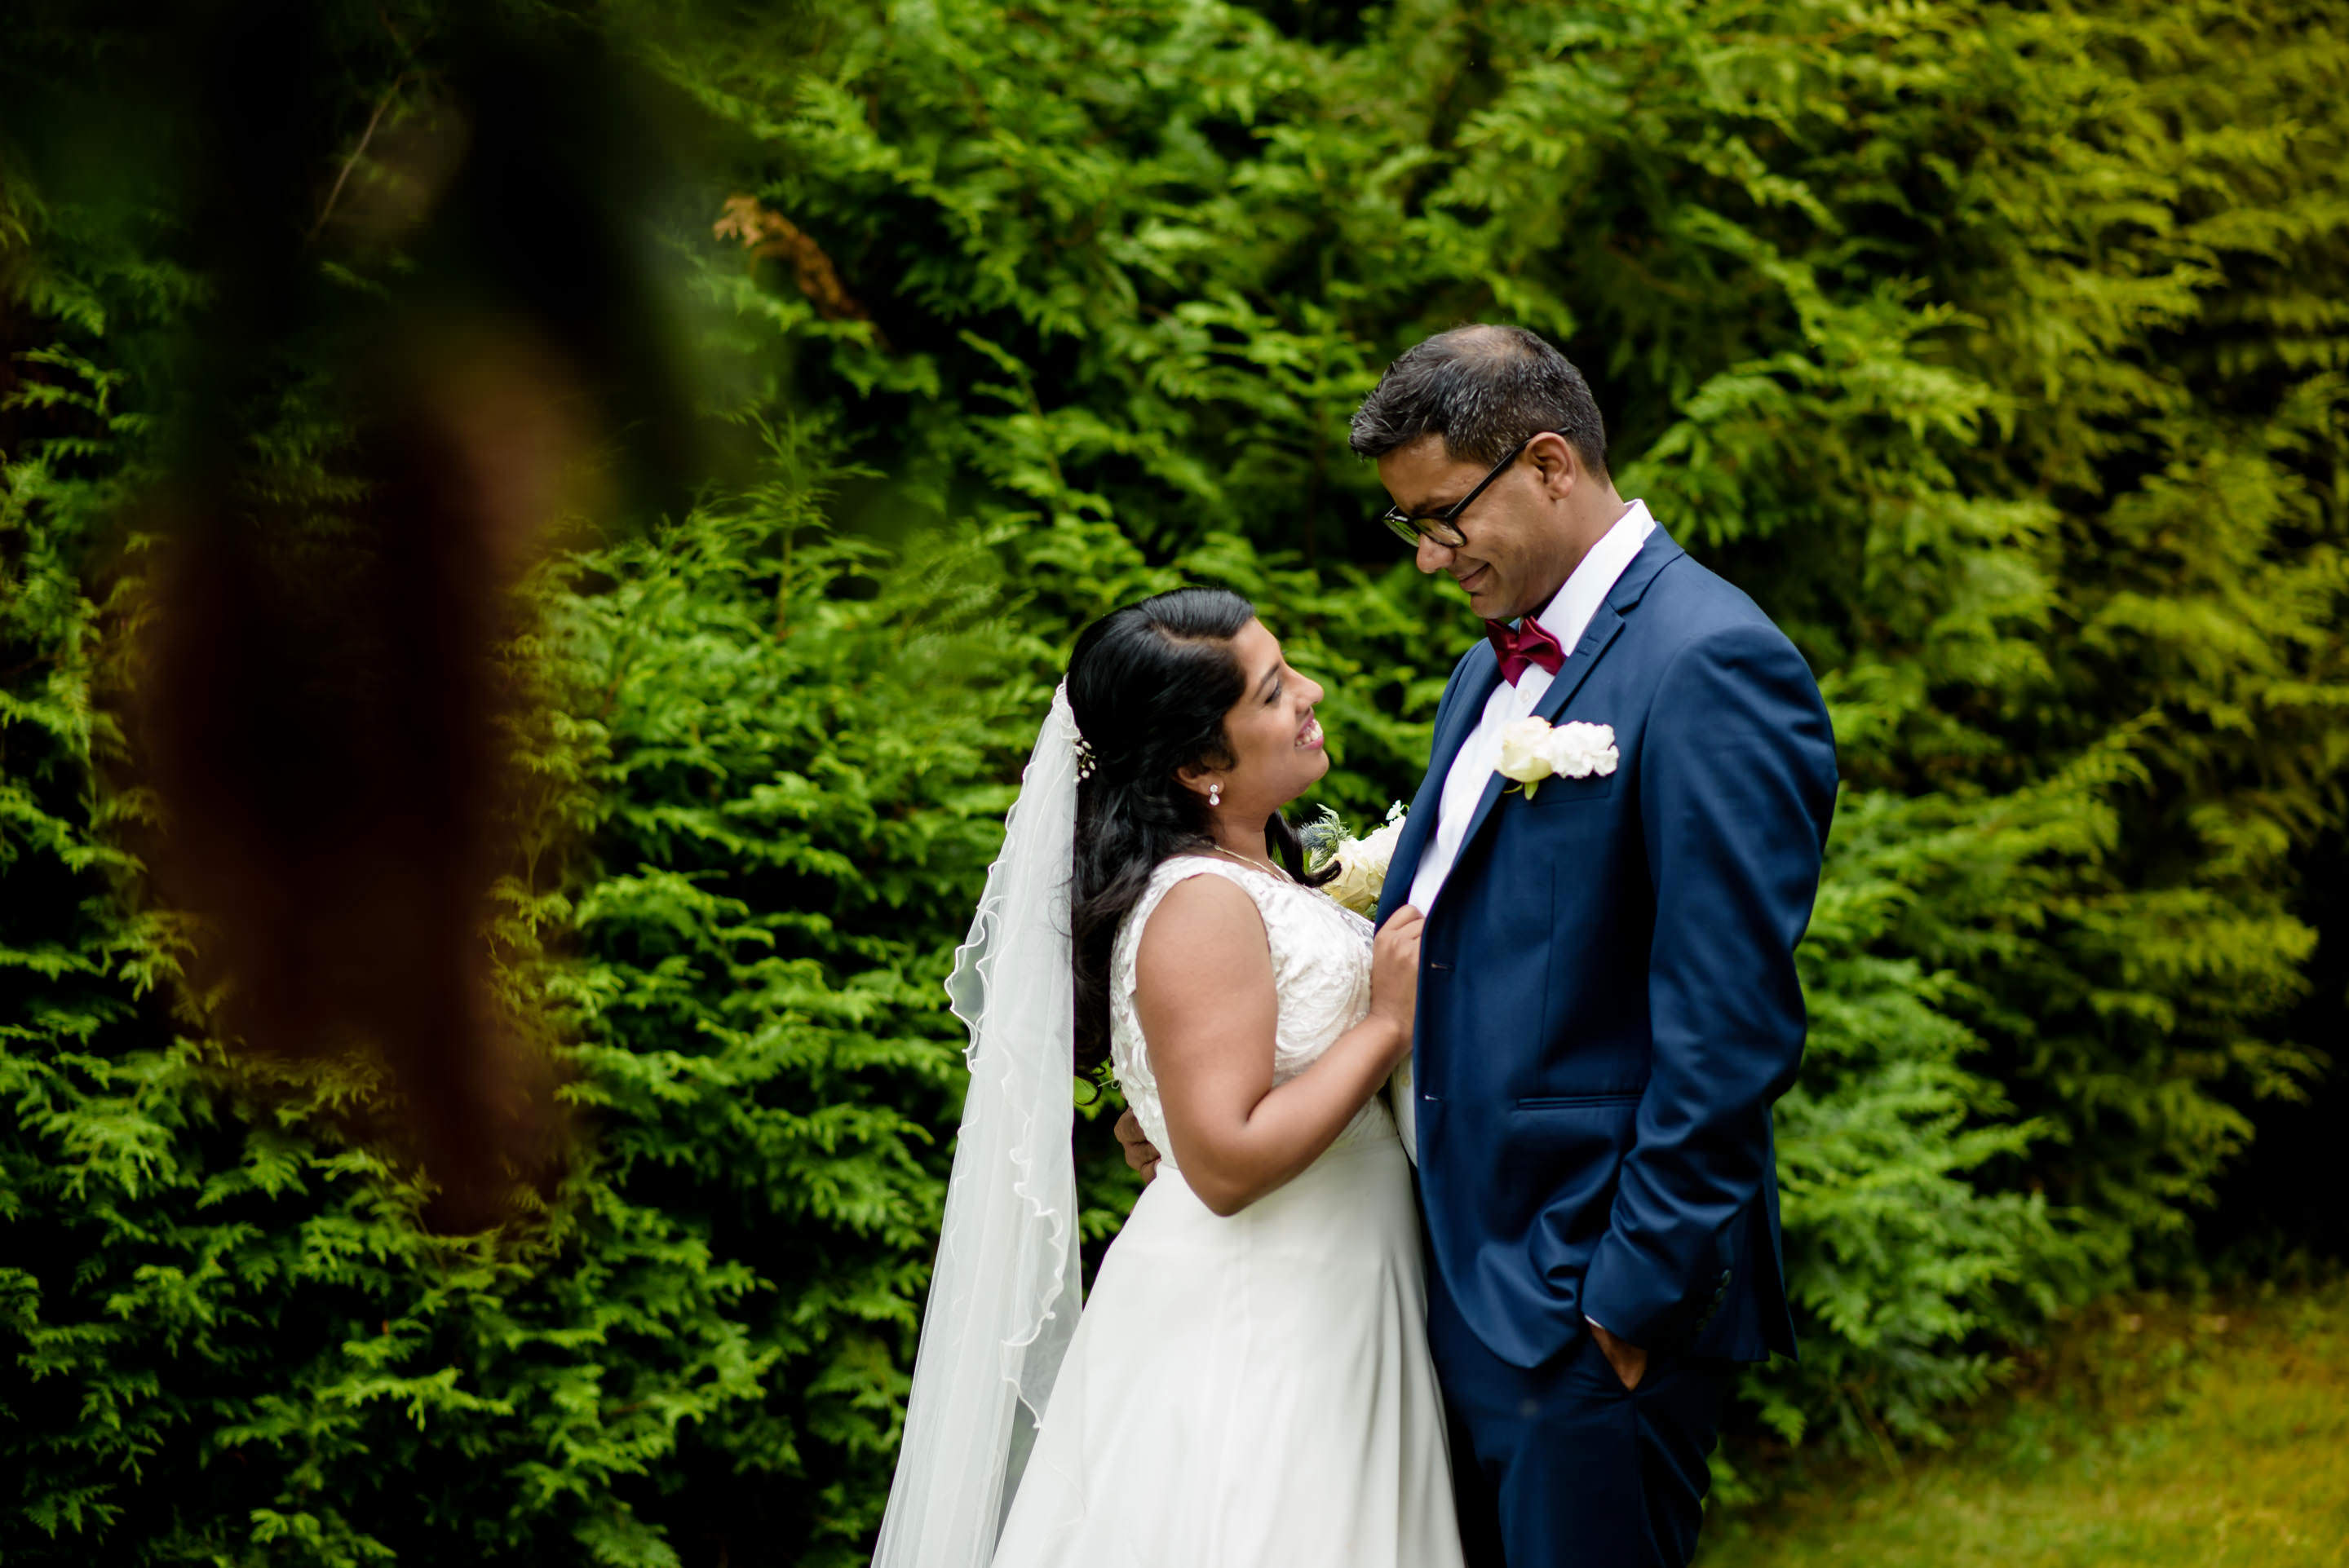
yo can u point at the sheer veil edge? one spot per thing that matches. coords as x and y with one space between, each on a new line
1004 1295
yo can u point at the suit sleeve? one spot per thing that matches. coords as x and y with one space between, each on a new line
1736 787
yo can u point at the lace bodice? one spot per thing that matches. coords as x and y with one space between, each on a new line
1321 974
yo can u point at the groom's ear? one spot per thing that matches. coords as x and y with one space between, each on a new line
1558 464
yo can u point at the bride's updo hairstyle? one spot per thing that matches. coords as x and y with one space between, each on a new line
1149 685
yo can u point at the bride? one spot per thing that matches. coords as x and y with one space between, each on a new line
1249 1382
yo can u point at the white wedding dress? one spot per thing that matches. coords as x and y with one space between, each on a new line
1256 1391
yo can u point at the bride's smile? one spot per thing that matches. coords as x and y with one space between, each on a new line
1274 739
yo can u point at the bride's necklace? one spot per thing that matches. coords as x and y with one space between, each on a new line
1250 860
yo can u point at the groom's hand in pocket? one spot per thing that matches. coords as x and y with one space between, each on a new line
1630 1362
1138 1150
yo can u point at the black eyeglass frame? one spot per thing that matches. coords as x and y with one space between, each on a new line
1441 526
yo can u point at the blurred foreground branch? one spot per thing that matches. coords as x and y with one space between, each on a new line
431 329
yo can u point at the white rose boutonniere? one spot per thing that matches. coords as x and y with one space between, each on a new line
1524 751
1362 863
1533 750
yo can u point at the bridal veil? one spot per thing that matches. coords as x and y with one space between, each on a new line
1005 1292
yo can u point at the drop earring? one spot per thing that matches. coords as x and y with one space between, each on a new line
1215 794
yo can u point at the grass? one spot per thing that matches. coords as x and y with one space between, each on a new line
2151 1434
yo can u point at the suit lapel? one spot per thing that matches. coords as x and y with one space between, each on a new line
1476 683
1480 673
1605 625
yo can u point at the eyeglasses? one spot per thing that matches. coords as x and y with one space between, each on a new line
1443 526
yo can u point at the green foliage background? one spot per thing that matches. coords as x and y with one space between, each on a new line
1998 350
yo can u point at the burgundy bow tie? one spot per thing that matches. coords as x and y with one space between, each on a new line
1527 643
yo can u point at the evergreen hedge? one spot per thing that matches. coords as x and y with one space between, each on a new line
1998 350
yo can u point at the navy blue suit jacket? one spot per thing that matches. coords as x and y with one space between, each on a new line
1607 1004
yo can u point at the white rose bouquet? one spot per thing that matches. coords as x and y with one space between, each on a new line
1362 863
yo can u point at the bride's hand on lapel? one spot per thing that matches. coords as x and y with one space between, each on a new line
1394 976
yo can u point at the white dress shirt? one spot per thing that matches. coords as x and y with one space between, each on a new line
1566 617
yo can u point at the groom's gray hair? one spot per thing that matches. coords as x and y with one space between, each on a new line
1485 390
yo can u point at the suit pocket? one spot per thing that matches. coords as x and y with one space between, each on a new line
1570 1101
1554 792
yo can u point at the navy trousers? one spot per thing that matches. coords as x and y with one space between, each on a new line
1561 1465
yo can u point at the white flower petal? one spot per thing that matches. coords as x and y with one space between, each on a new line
1526 751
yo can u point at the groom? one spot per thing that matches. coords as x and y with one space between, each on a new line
1608 1002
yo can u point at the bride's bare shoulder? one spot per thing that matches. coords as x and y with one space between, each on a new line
1204 972
1204 921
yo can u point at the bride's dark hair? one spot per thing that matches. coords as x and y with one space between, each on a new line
1149 685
